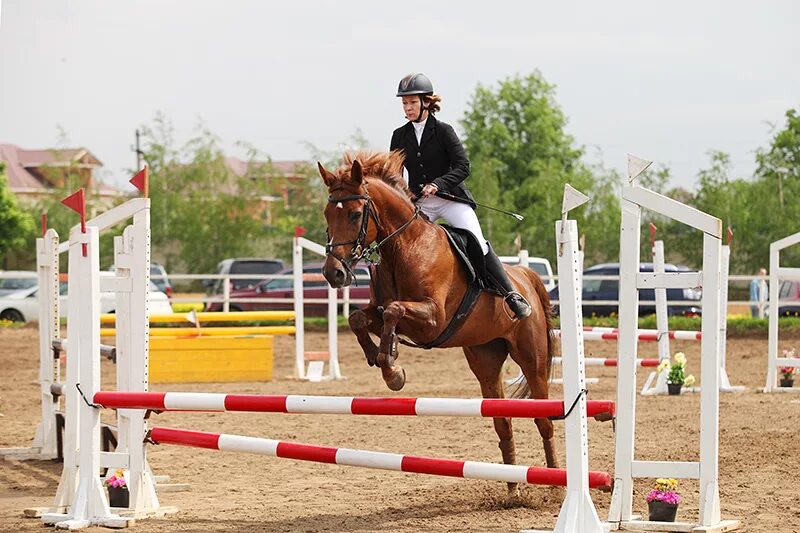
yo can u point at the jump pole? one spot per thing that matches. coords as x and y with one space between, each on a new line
368 459
344 405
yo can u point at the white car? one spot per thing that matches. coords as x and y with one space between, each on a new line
16 280
23 305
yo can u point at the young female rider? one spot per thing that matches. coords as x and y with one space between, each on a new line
436 161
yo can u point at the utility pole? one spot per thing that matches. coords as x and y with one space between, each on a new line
139 153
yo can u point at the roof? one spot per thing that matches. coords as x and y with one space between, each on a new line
22 165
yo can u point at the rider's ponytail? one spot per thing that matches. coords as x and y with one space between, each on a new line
431 102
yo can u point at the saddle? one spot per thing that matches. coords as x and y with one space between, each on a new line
470 255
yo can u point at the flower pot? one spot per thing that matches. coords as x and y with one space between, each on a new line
674 388
662 511
118 497
787 382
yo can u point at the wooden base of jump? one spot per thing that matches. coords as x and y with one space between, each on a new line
210 359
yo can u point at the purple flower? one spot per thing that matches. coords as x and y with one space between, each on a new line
666 497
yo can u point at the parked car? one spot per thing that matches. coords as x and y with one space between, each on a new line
608 289
258 267
158 275
284 288
16 280
23 305
789 296
541 266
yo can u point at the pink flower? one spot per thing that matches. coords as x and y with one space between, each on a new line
666 497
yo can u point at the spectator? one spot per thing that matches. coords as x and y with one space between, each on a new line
758 290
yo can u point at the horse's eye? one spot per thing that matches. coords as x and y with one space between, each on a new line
354 216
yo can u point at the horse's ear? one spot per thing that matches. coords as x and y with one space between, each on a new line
327 177
356 174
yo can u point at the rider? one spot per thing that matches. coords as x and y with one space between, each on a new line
436 161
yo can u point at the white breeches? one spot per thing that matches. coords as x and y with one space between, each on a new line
456 214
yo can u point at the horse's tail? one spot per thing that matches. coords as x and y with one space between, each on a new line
523 389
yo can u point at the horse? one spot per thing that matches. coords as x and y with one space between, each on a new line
418 286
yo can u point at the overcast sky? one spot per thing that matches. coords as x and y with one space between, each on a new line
664 80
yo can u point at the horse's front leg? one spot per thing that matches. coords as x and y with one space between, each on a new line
362 321
423 315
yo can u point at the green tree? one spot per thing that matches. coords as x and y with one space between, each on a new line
202 211
16 226
521 158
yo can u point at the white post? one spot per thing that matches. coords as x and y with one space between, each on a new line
45 441
724 381
90 503
49 330
299 338
709 391
132 259
627 346
346 301
226 294
662 325
577 512
333 346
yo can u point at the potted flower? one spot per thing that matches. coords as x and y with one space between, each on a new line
677 377
118 495
663 500
787 372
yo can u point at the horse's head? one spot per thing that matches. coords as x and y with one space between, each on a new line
348 214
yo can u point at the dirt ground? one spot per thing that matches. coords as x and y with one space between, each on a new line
759 445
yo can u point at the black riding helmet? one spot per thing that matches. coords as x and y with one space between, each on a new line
415 83
418 84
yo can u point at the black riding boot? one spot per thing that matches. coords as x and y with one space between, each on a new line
516 302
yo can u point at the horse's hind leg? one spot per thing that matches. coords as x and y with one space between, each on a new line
530 352
486 362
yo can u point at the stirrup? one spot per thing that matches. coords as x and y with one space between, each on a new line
518 305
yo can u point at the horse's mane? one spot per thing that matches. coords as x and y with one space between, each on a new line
387 166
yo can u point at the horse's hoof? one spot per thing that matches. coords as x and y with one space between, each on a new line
513 492
395 378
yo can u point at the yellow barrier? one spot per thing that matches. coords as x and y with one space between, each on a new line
237 331
210 359
240 316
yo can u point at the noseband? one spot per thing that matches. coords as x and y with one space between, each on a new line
360 250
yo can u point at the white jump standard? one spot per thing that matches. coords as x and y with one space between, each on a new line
627 467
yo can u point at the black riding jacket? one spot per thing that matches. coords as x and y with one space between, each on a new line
439 158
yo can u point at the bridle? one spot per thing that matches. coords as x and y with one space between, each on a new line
360 250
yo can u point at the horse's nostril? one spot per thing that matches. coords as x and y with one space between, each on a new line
339 276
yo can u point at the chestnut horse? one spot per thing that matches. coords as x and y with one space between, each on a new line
420 285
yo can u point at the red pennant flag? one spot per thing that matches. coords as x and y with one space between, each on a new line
299 231
44 224
653 230
142 181
77 202
730 235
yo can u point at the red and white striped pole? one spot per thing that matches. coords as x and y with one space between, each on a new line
612 334
198 401
368 459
